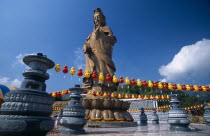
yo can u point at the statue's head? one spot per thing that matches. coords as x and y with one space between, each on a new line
99 18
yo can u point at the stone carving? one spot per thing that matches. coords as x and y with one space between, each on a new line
207 115
27 111
73 115
143 118
177 117
107 110
154 117
98 53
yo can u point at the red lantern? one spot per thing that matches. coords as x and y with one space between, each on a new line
116 95
144 84
101 93
207 88
165 96
50 94
108 77
123 95
155 85
136 96
165 85
79 73
66 92
133 82
109 95
200 88
65 69
85 91
174 86
58 94
183 87
94 93
94 75
121 81
192 88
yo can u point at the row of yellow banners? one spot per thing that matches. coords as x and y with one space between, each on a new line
128 96
127 81
161 108
116 95
164 108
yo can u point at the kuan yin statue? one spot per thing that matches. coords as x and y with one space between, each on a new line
98 54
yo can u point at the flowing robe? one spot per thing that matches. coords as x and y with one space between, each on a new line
98 53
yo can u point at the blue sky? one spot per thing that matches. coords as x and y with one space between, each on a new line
157 40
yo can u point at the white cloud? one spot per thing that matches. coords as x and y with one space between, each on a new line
19 59
79 60
4 80
9 82
190 65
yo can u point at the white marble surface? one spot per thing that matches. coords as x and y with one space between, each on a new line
150 130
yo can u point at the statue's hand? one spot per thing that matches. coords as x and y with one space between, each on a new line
85 48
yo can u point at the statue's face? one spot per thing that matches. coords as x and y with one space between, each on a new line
99 19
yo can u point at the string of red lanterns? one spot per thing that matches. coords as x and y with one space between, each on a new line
138 82
165 108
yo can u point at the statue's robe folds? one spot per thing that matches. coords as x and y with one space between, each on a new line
98 53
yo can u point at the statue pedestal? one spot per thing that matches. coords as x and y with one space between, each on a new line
107 111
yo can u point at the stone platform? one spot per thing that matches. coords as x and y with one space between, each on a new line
112 124
150 130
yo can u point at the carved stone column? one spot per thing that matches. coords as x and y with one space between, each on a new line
177 117
27 111
143 118
73 116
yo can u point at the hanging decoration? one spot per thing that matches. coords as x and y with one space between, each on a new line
65 70
57 67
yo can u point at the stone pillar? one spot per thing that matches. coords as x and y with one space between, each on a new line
154 117
177 117
207 115
73 116
143 118
27 111
156 102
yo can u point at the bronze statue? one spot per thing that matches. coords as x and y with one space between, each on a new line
98 53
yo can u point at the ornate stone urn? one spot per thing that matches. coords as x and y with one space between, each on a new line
154 117
143 118
26 111
207 115
73 116
177 117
